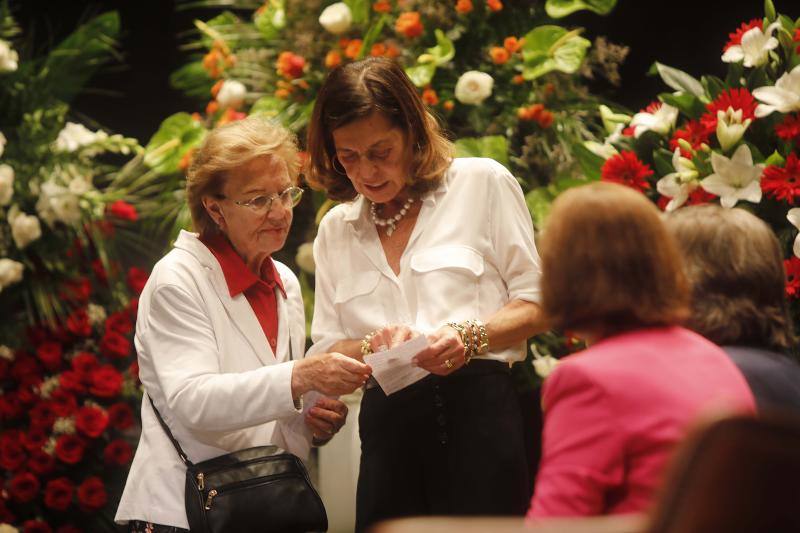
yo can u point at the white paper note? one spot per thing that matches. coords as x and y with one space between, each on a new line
393 370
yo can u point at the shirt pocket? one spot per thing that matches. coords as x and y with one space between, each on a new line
359 301
447 281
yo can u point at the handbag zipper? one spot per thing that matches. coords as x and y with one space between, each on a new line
228 488
211 494
201 483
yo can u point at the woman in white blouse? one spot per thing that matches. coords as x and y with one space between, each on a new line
423 243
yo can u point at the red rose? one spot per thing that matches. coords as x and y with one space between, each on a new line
23 487
49 353
120 415
78 290
42 415
25 368
99 271
123 210
78 323
10 406
105 382
58 493
133 307
34 439
137 279
64 403
69 449
41 463
71 381
84 362
114 345
91 421
12 454
26 395
92 494
119 322
36 526
118 452
134 370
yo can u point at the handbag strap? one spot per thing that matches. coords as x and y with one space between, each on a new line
178 448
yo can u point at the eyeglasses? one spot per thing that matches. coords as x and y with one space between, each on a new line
261 205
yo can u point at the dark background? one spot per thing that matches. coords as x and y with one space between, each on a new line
133 98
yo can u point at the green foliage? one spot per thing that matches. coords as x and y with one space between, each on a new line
562 8
177 135
549 48
493 146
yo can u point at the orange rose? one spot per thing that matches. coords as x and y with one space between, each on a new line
494 5
290 65
382 6
283 94
464 6
216 87
392 51
512 44
531 112
212 107
448 105
499 55
545 119
333 59
409 24
211 63
518 79
353 49
378 49
429 96
343 42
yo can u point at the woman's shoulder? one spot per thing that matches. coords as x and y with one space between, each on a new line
288 277
479 173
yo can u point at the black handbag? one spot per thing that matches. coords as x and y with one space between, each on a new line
263 488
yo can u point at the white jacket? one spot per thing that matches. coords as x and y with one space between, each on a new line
205 361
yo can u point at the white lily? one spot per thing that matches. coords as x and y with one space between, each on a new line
662 121
730 127
2 143
784 97
734 179
604 150
793 216
754 48
679 184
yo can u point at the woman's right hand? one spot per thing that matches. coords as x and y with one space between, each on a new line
331 374
390 336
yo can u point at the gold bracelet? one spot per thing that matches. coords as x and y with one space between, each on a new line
465 340
366 346
481 337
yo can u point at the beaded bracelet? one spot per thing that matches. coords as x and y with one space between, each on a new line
466 339
366 346
481 336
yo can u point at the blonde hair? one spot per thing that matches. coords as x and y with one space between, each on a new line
735 266
356 90
608 263
229 147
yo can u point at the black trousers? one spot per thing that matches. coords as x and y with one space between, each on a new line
443 446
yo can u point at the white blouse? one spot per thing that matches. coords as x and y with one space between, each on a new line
470 253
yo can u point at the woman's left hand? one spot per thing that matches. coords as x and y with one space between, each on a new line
326 418
444 354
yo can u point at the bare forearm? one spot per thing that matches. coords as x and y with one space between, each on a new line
516 321
349 347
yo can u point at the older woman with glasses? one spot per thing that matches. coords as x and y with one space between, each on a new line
220 333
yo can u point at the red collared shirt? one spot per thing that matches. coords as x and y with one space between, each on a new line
259 291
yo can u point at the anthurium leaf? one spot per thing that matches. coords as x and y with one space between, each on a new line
549 48
590 162
421 75
193 80
492 146
561 8
444 50
678 79
775 159
177 134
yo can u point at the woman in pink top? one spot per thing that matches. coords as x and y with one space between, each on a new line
615 411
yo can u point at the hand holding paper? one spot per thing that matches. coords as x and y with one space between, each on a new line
393 368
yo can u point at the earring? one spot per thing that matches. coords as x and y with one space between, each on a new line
340 169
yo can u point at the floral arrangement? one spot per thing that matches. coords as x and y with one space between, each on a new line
735 141
68 379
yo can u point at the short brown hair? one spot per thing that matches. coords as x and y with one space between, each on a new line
229 147
356 90
735 267
608 263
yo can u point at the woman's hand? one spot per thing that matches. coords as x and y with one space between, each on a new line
331 374
444 354
390 336
325 419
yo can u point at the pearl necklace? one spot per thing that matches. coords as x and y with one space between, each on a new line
391 222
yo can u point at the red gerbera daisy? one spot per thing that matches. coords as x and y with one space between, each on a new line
734 98
735 37
797 40
783 183
627 169
694 132
700 196
789 129
792 267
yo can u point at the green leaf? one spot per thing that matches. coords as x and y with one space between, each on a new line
775 159
713 86
371 36
590 162
193 80
492 146
561 8
678 79
539 202
688 104
662 160
769 10
359 9
421 75
548 48
271 20
444 50
177 134
270 106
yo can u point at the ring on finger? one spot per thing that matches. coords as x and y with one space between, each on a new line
448 363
